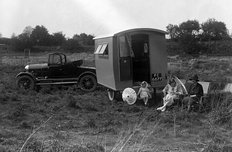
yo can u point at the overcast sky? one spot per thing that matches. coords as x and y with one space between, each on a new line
99 17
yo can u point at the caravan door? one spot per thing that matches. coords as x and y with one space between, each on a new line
141 60
125 59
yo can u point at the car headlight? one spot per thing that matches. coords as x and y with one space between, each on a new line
27 67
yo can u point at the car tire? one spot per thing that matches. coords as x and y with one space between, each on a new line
25 82
88 83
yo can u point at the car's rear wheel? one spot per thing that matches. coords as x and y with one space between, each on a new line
88 83
25 82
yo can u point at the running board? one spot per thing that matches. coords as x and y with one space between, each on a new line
49 83
58 79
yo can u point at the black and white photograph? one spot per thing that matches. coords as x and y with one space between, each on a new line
115 76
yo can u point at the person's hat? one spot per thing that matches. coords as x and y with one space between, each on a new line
195 77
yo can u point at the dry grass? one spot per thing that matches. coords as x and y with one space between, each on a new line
88 122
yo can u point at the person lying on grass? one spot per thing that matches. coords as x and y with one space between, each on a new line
144 92
171 91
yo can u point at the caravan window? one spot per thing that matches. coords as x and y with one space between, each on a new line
102 49
98 49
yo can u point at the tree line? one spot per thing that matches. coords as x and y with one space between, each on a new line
32 38
190 37
194 38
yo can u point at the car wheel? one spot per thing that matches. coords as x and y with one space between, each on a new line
88 83
25 82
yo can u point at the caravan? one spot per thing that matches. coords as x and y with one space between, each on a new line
127 58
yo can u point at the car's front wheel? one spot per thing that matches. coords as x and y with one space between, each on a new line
25 82
88 83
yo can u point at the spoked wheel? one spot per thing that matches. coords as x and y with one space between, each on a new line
88 83
25 82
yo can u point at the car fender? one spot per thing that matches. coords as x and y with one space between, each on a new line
26 73
85 73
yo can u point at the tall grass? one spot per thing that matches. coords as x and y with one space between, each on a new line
87 115
221 109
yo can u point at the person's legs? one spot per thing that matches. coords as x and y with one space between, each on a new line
164 101
185 101
188 101
170 101
161 106
167 101
145 99
191 101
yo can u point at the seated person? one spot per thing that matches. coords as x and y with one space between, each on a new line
171 91
195 92
144 92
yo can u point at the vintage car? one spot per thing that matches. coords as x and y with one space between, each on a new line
58 71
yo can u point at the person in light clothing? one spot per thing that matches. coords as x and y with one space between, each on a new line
171 91
144 92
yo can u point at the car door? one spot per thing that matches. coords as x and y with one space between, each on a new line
56 66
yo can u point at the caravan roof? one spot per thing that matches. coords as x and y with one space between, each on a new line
131 30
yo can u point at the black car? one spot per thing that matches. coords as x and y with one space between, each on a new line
58 71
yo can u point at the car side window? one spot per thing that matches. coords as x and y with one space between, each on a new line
63 59
55 59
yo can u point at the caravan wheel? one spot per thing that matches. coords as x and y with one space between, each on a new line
111 94
114 95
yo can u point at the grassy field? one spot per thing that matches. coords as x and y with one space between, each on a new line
19 59
58 119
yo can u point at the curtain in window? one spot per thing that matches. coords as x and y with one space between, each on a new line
128 41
